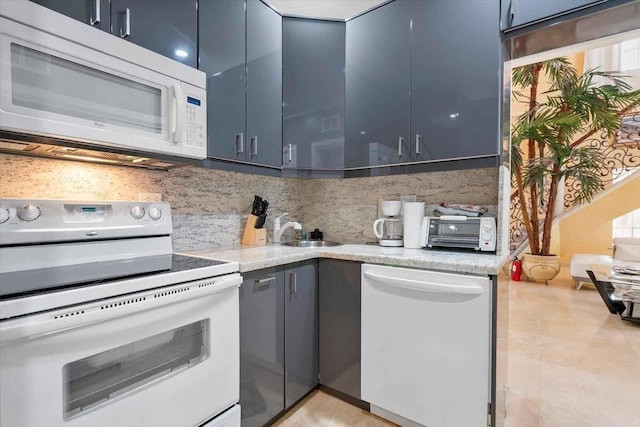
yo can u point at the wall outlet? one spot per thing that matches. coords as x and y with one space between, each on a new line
150 197
408 198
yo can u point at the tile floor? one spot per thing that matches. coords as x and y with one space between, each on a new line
571 364
323 410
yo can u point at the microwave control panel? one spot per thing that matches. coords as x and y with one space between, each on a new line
488 234
195 123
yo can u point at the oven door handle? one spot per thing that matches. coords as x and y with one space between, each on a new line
39 325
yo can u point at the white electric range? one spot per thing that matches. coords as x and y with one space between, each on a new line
101 324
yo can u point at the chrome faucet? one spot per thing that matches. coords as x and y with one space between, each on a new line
279 229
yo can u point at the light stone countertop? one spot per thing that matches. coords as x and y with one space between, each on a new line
258 257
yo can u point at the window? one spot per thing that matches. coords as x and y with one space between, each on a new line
627 225
630 55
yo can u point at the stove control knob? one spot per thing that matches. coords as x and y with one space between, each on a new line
28 212
155 213
137 212
4 215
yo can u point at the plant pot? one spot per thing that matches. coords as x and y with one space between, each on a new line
541 268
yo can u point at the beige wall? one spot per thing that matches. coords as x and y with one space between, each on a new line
588 230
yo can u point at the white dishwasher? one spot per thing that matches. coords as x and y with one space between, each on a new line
426 346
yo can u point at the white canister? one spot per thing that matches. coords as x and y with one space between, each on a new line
413 218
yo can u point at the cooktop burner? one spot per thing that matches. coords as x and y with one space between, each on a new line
22 283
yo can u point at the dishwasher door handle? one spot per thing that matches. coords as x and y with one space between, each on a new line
423 286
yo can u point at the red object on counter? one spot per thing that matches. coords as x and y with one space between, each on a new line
516 270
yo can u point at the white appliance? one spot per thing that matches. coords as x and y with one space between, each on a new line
101 324
388 230
426 346
61 78
461 232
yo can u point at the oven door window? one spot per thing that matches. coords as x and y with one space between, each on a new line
97 379
54 85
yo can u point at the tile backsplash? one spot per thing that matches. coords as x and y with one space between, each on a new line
345 209
210 207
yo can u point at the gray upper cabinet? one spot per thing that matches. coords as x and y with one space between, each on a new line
520 12
378 49
222 58
455 79
301 330
263 137
313 94
261 346
168 27
340 325
93 12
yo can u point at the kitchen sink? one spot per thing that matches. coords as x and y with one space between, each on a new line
310 243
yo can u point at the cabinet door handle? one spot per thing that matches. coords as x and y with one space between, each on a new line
254 146
290 153
400 142
293 283
95 13
125 27
418 142
240 143
264 283
512 12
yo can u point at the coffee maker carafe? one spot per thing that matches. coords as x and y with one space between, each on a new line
389 229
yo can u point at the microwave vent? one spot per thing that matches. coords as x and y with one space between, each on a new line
63 150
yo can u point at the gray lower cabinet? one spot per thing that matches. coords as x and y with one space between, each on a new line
301 330
339 302
261 346
521 12
313 94
92 12
378 60
455 79
278 339
168 27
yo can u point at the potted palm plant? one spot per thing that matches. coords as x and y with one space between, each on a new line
547 145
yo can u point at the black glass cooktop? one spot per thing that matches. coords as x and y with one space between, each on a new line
22 283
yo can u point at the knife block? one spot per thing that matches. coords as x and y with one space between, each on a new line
254 236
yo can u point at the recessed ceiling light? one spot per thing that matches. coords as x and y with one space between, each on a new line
181 53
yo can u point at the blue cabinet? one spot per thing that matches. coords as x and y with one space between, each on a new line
516 13
92 12
168 27
378 60
313 94
455 79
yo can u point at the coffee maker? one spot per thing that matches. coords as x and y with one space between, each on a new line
388 229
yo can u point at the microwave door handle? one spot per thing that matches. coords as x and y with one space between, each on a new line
179 115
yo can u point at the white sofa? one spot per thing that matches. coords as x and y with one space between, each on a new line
625 249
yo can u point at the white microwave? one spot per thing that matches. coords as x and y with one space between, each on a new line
63 79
